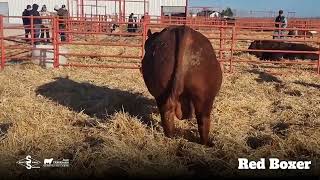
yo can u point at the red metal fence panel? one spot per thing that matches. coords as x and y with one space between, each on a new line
2 63
95 37
110 43
22 42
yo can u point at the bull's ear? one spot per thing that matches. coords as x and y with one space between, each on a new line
149 33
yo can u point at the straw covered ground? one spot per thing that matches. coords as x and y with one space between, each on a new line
107 124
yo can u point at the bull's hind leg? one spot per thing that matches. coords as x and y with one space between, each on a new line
203 109
184 108
167 113
187 107
179 111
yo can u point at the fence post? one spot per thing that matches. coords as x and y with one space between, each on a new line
99 23
144 31
305 31
221 39
55 42
69 28
32 30
3 60
232 46
318 65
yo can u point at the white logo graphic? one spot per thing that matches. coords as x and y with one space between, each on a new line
52 163
48 161
29 163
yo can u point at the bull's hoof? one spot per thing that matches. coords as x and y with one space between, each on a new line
207 143
169 135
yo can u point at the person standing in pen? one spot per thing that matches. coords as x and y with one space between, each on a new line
45 28
26 22
37 22
280 22
130 24
63 15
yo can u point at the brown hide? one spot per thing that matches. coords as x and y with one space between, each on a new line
181 71
300 33
285 46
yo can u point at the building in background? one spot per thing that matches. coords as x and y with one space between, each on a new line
95 7
138 7
4 9
16 7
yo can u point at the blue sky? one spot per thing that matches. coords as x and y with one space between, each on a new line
301 7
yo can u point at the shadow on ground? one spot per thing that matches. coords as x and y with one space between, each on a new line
265 77
4 128
317 86
97 102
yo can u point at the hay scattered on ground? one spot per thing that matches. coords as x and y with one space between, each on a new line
106 123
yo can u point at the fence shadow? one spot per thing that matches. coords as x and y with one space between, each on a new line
4 128
317 86
97 102
265 77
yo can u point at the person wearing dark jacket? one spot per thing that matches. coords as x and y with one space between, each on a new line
135 25
37 22
130 24
280 22
63 15
26 21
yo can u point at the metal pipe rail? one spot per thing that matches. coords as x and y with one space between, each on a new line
18 46
227 38
97 32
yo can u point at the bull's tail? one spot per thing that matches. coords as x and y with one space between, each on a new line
179 68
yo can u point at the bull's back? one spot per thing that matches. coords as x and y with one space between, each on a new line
159 70
200 70
203 73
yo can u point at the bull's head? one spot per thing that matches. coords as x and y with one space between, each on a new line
150 45
150 42
153 42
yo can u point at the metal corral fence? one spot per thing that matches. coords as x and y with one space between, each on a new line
105 42
17 40
269 22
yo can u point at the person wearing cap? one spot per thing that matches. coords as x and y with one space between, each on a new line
37 22
45 24
63 14
280 22
26 21
131 25
56 8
